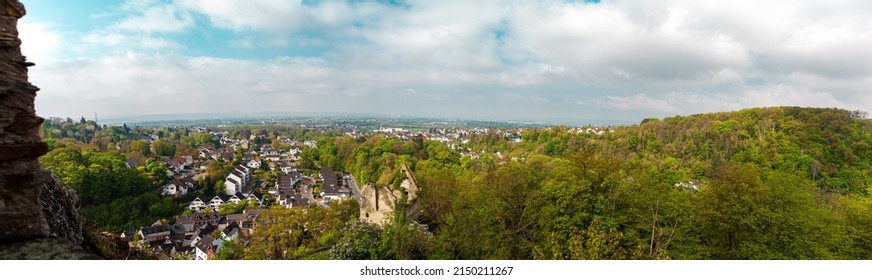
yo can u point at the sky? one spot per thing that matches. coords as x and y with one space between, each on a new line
501 60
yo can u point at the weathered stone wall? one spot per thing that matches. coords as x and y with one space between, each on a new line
21 215
378 203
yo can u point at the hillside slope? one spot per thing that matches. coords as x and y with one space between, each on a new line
832 147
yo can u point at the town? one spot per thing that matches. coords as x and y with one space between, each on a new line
259 169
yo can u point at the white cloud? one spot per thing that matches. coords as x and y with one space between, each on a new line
136 84
640 102
39 41
644 58
603 43
689 103
247 15
154 18
122 41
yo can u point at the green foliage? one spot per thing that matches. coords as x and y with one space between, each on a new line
115 196
141 146
233 208
163 148
360 241
282 233
747 215
230 250
763 183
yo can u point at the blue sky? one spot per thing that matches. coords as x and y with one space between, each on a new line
613 60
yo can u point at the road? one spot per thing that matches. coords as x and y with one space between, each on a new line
307 193
352 184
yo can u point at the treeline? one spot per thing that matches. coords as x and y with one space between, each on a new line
115 196
763 183
768 183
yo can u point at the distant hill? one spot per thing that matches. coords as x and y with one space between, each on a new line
831 146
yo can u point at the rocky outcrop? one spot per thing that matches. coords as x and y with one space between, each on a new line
20 145
60 206
109 246
44 249
25 233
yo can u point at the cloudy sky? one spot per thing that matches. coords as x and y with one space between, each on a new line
613 60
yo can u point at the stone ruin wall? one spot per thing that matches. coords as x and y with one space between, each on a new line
377 203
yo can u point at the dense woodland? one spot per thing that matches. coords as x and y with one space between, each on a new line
763 183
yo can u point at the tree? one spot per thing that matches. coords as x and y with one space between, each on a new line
141 146
233 208
114 196
218 188
163 147
359 241
230 250
308 156
745 217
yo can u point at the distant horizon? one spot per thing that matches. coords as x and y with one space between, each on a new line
251 116
267 115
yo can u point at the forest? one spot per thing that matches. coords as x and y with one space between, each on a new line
760 183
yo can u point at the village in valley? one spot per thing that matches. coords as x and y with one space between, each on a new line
200 234
264 170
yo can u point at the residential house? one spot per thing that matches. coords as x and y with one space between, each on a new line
202 202
173 189
206 248
188 159
233 184
293 200
231 232
202 231
294 151
255 197
156 232
285 193
235 198
177 233
194 221
286 168
225 156
177 164
205 153
253 164
161 238
217 201
199 203
244 220
237 179
330 189
179 187
269 154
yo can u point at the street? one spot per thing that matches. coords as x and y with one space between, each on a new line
352 184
